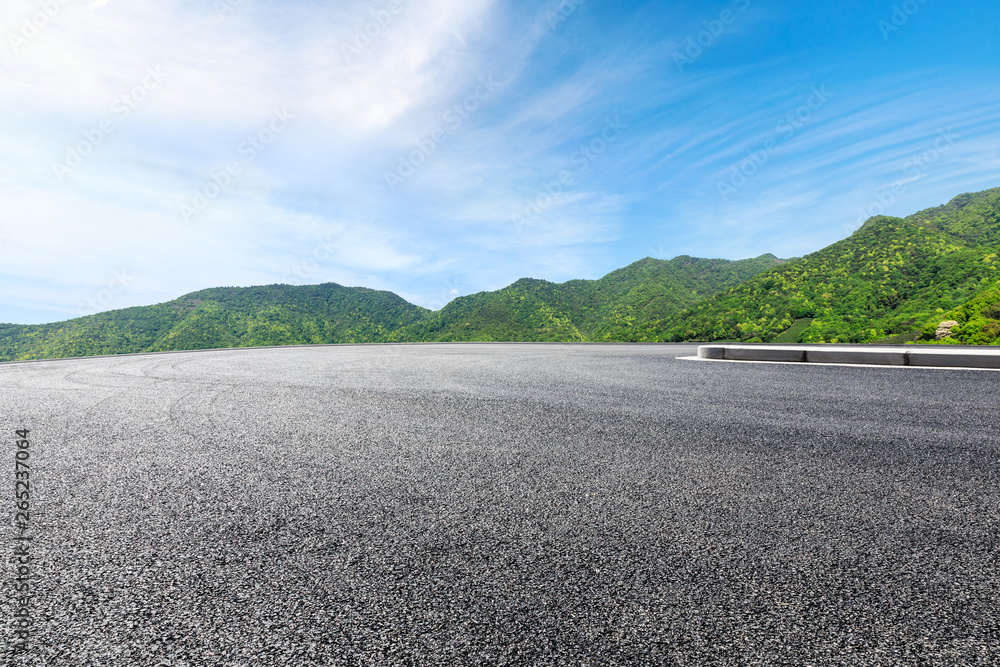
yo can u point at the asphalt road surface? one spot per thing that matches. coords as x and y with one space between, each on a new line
503 505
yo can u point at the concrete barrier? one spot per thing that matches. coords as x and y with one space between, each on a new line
924 356
742 353
775 353
711 352
939 357
868 357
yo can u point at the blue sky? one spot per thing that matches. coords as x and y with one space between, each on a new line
440 148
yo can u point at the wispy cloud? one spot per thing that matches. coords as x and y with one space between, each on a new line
368 83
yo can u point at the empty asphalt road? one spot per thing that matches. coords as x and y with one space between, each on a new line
503 505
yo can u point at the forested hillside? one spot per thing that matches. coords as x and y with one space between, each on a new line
620 306
887 282
894 280
221 317
630 304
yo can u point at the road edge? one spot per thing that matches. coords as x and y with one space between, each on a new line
920 357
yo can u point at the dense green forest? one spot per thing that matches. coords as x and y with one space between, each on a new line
890 281
894 280
221 317
629 304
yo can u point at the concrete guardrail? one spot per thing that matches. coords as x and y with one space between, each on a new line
929 356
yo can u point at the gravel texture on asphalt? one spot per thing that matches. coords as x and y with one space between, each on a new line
505 505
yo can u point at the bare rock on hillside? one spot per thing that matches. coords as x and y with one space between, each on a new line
944 329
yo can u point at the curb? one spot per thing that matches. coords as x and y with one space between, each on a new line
930 357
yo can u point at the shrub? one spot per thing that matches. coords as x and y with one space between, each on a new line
991 330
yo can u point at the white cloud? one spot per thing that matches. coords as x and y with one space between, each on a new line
358 109
223 77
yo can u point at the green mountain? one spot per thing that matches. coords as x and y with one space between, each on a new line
621 306
221 317
630 304
894 280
